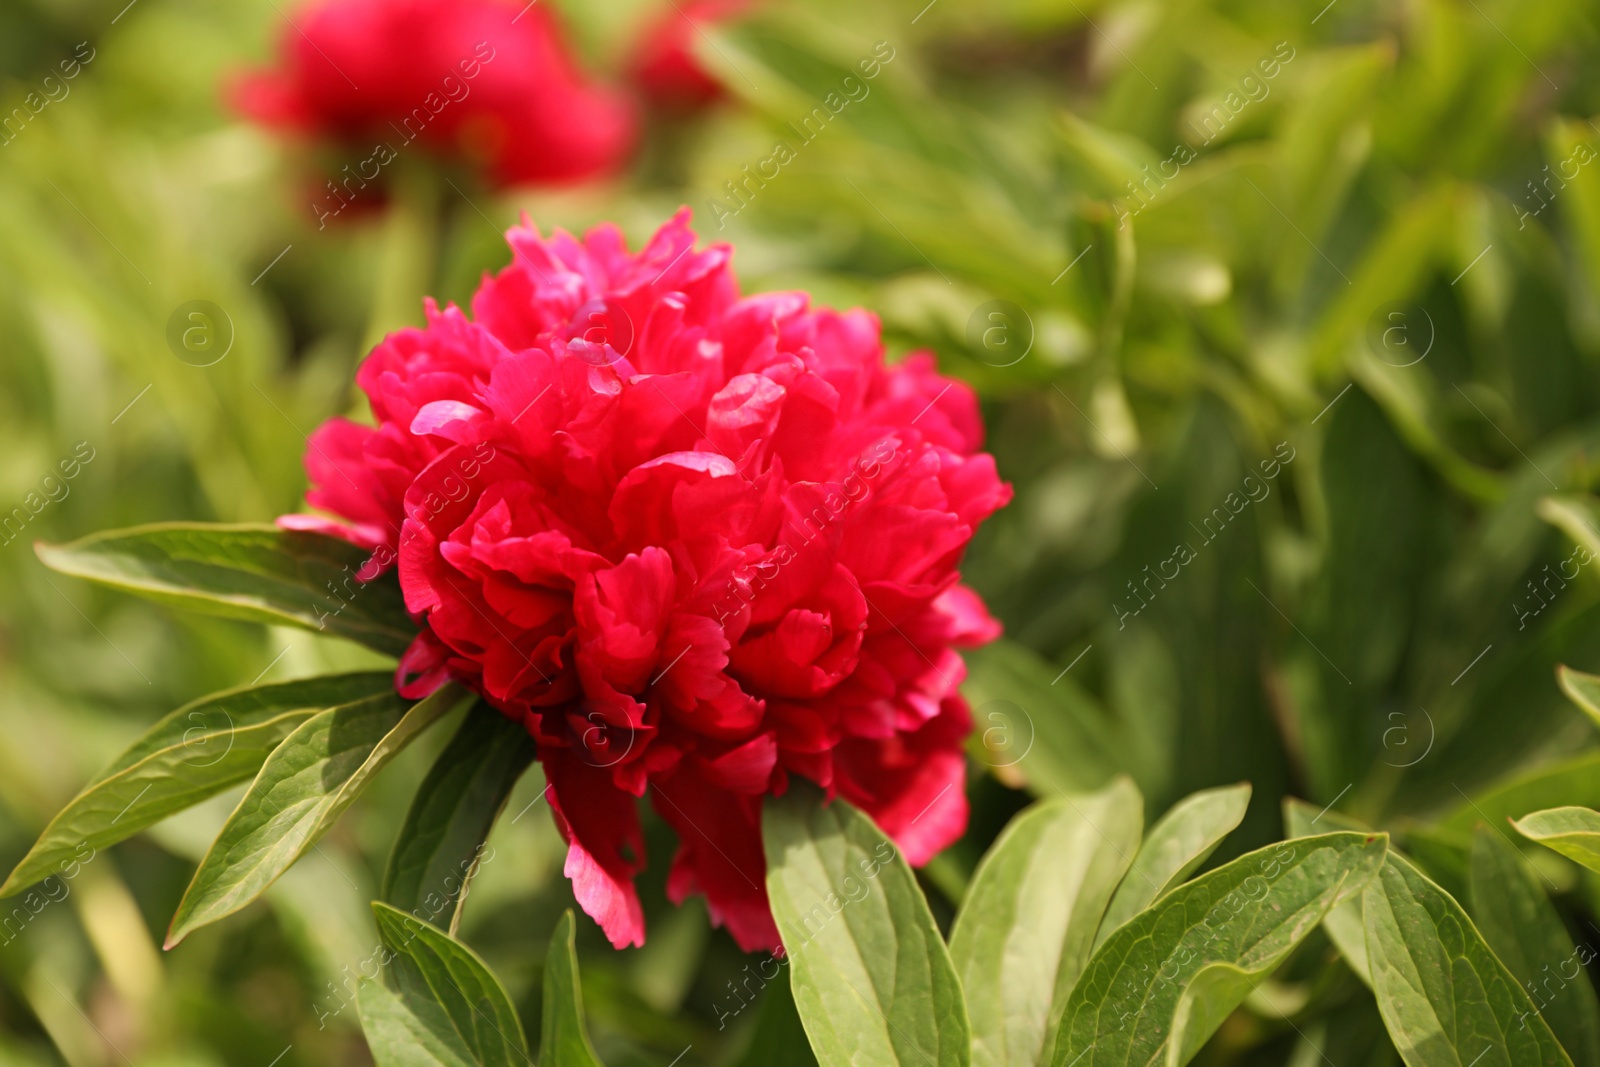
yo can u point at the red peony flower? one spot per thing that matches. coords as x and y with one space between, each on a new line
664 64
490 80
696 542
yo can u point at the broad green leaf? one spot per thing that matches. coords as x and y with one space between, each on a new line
1573 832
1582 689
1177 844
412 1031
780 1038
1574 781
1344 924
1445 997
191 754
1027 924
441 843
563 1038
1161 985
299 793
1522 927
871 976
430 965
254 572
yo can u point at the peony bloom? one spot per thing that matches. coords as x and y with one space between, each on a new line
490 80
664 66
696 542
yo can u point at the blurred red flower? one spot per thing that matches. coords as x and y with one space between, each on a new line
664 66
489 80
695 542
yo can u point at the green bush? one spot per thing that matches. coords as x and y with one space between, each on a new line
1286 328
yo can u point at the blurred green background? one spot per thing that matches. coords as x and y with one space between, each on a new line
1175 244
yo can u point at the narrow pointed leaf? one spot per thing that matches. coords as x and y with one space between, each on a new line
471 1005
871 976
1177 844
1522 927
254 572
1573 832
563 1037
1161 985
191 754
1027 925
1445 998
299 793
441 843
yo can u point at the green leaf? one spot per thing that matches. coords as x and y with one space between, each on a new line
1582 689
563 1039
1522 927
871 976
1162 984
1445 997
1177 844
299 793
441 843
408 1031
191 754
254 572
450 991
1027 925
1573 832
1344 925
